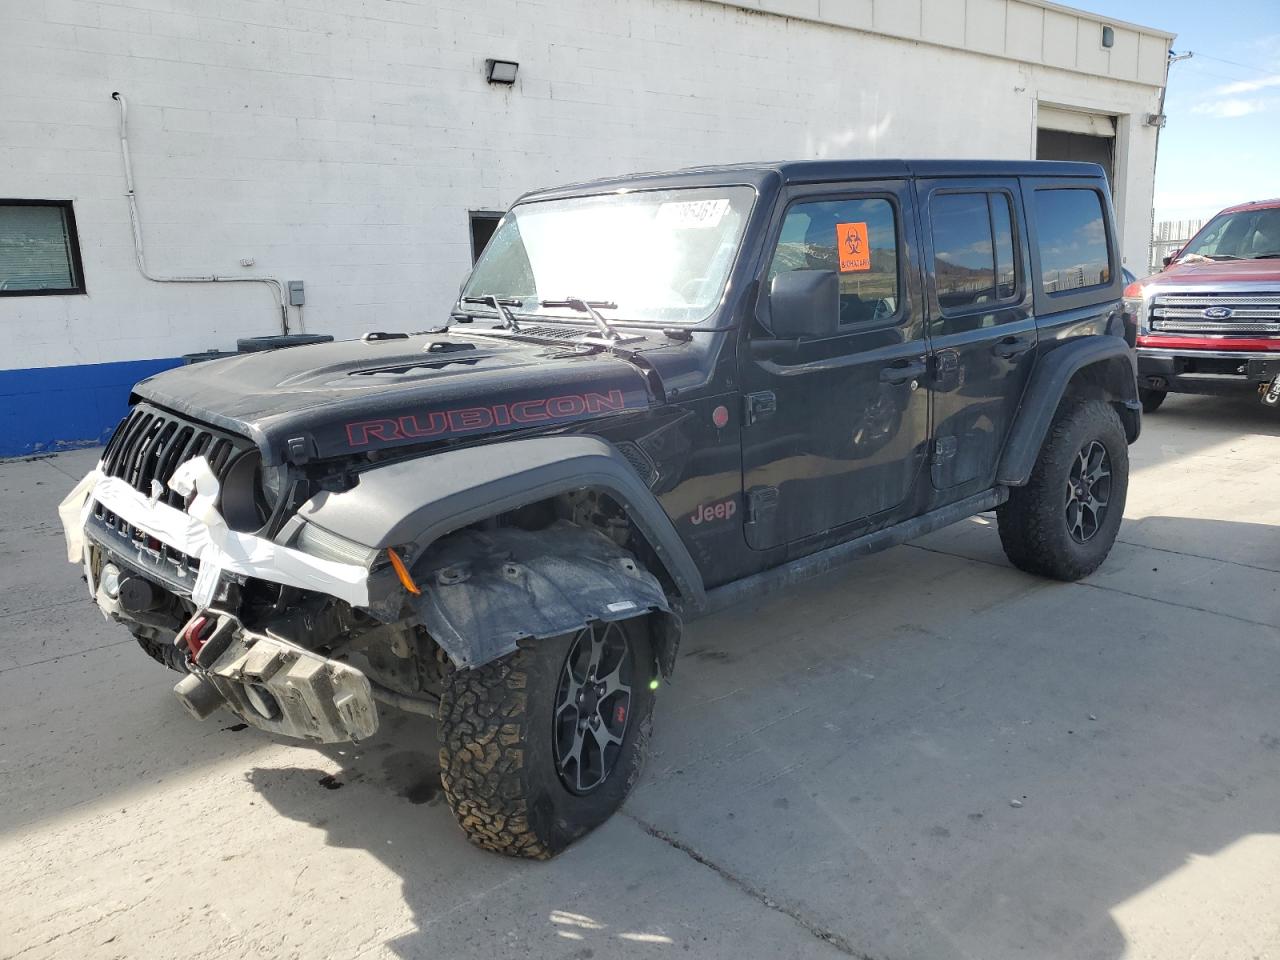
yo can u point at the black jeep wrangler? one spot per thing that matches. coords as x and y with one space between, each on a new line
657 396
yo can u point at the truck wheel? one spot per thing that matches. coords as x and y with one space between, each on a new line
162 652
540 747
1151 399
1063 522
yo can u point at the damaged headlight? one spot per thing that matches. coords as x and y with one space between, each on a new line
329 546
274 482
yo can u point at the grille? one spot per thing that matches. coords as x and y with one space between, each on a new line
149 445
1184 313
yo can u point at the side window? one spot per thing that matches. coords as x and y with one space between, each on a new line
973 262
1072 232
856 238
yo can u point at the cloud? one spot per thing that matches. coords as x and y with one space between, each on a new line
1247 86
1229 107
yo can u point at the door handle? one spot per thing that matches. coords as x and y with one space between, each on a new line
903 371
1012 346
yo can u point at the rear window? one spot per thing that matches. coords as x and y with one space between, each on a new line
1072 233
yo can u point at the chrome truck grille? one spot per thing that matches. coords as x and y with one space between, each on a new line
1216 314
149 445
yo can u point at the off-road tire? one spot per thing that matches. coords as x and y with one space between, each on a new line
163 652
1033 525
497 755
1151 399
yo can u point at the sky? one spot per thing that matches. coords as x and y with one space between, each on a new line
1222 141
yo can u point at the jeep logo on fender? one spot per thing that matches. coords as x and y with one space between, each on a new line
439 423
708 512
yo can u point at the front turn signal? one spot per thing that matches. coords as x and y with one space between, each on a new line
402 572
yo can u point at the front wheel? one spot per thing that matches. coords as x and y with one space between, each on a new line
1063 522
540 747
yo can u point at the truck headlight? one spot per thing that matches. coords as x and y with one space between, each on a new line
1137 321
329 546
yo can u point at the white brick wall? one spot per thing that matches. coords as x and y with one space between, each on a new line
341 142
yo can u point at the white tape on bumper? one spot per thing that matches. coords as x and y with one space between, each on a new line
202 533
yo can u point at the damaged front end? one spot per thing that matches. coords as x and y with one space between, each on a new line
270 628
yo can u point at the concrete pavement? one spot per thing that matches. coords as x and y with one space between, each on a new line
926 754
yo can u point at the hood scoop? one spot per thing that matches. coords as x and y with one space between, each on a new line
439 347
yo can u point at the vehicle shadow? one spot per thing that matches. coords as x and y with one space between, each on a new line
966 777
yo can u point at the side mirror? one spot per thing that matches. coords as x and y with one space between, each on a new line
1168 259
805 304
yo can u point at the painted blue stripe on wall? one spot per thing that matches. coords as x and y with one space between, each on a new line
44 409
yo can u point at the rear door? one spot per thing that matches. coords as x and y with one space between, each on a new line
980 323
836 429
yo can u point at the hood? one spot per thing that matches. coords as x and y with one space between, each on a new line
354 396
1219 271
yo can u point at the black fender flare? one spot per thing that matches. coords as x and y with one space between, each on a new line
1111 375
416 502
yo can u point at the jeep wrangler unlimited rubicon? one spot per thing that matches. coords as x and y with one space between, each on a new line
656 396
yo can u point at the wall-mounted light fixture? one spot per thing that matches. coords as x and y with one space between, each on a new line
501 71
1108 37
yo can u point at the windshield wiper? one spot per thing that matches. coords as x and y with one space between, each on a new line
588 307
500 306
1266 256
1224 256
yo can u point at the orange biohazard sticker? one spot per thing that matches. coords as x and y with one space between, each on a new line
852 246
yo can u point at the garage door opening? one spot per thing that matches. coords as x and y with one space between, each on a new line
1076 135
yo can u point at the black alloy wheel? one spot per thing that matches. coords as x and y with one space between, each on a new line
593 706
1088 491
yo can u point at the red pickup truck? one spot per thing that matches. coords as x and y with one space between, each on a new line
1209 323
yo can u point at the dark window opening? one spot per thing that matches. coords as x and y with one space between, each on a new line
1079 147
39 249
483 224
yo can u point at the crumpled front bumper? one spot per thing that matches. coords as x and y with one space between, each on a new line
277 686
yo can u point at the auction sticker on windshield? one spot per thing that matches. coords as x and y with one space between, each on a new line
855 252
693 213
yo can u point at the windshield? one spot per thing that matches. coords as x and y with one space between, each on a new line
1238 236
662 256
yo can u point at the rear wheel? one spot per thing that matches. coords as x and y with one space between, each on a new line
540 747
1063 522
1151 399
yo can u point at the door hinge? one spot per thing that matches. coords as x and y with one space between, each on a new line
762 504
944 448
760 405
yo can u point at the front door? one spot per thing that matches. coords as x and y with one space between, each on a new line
981 326
836 429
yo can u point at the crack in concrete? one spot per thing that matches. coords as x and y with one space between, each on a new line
1197 556
1116 590
811 927
64 656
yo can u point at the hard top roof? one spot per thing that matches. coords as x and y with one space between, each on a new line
823 171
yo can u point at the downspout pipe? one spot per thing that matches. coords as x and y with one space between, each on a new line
136 222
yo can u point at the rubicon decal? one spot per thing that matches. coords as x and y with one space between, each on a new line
710 512
438 423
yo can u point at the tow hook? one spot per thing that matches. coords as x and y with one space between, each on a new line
1271 395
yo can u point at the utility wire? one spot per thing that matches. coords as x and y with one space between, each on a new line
1233 63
